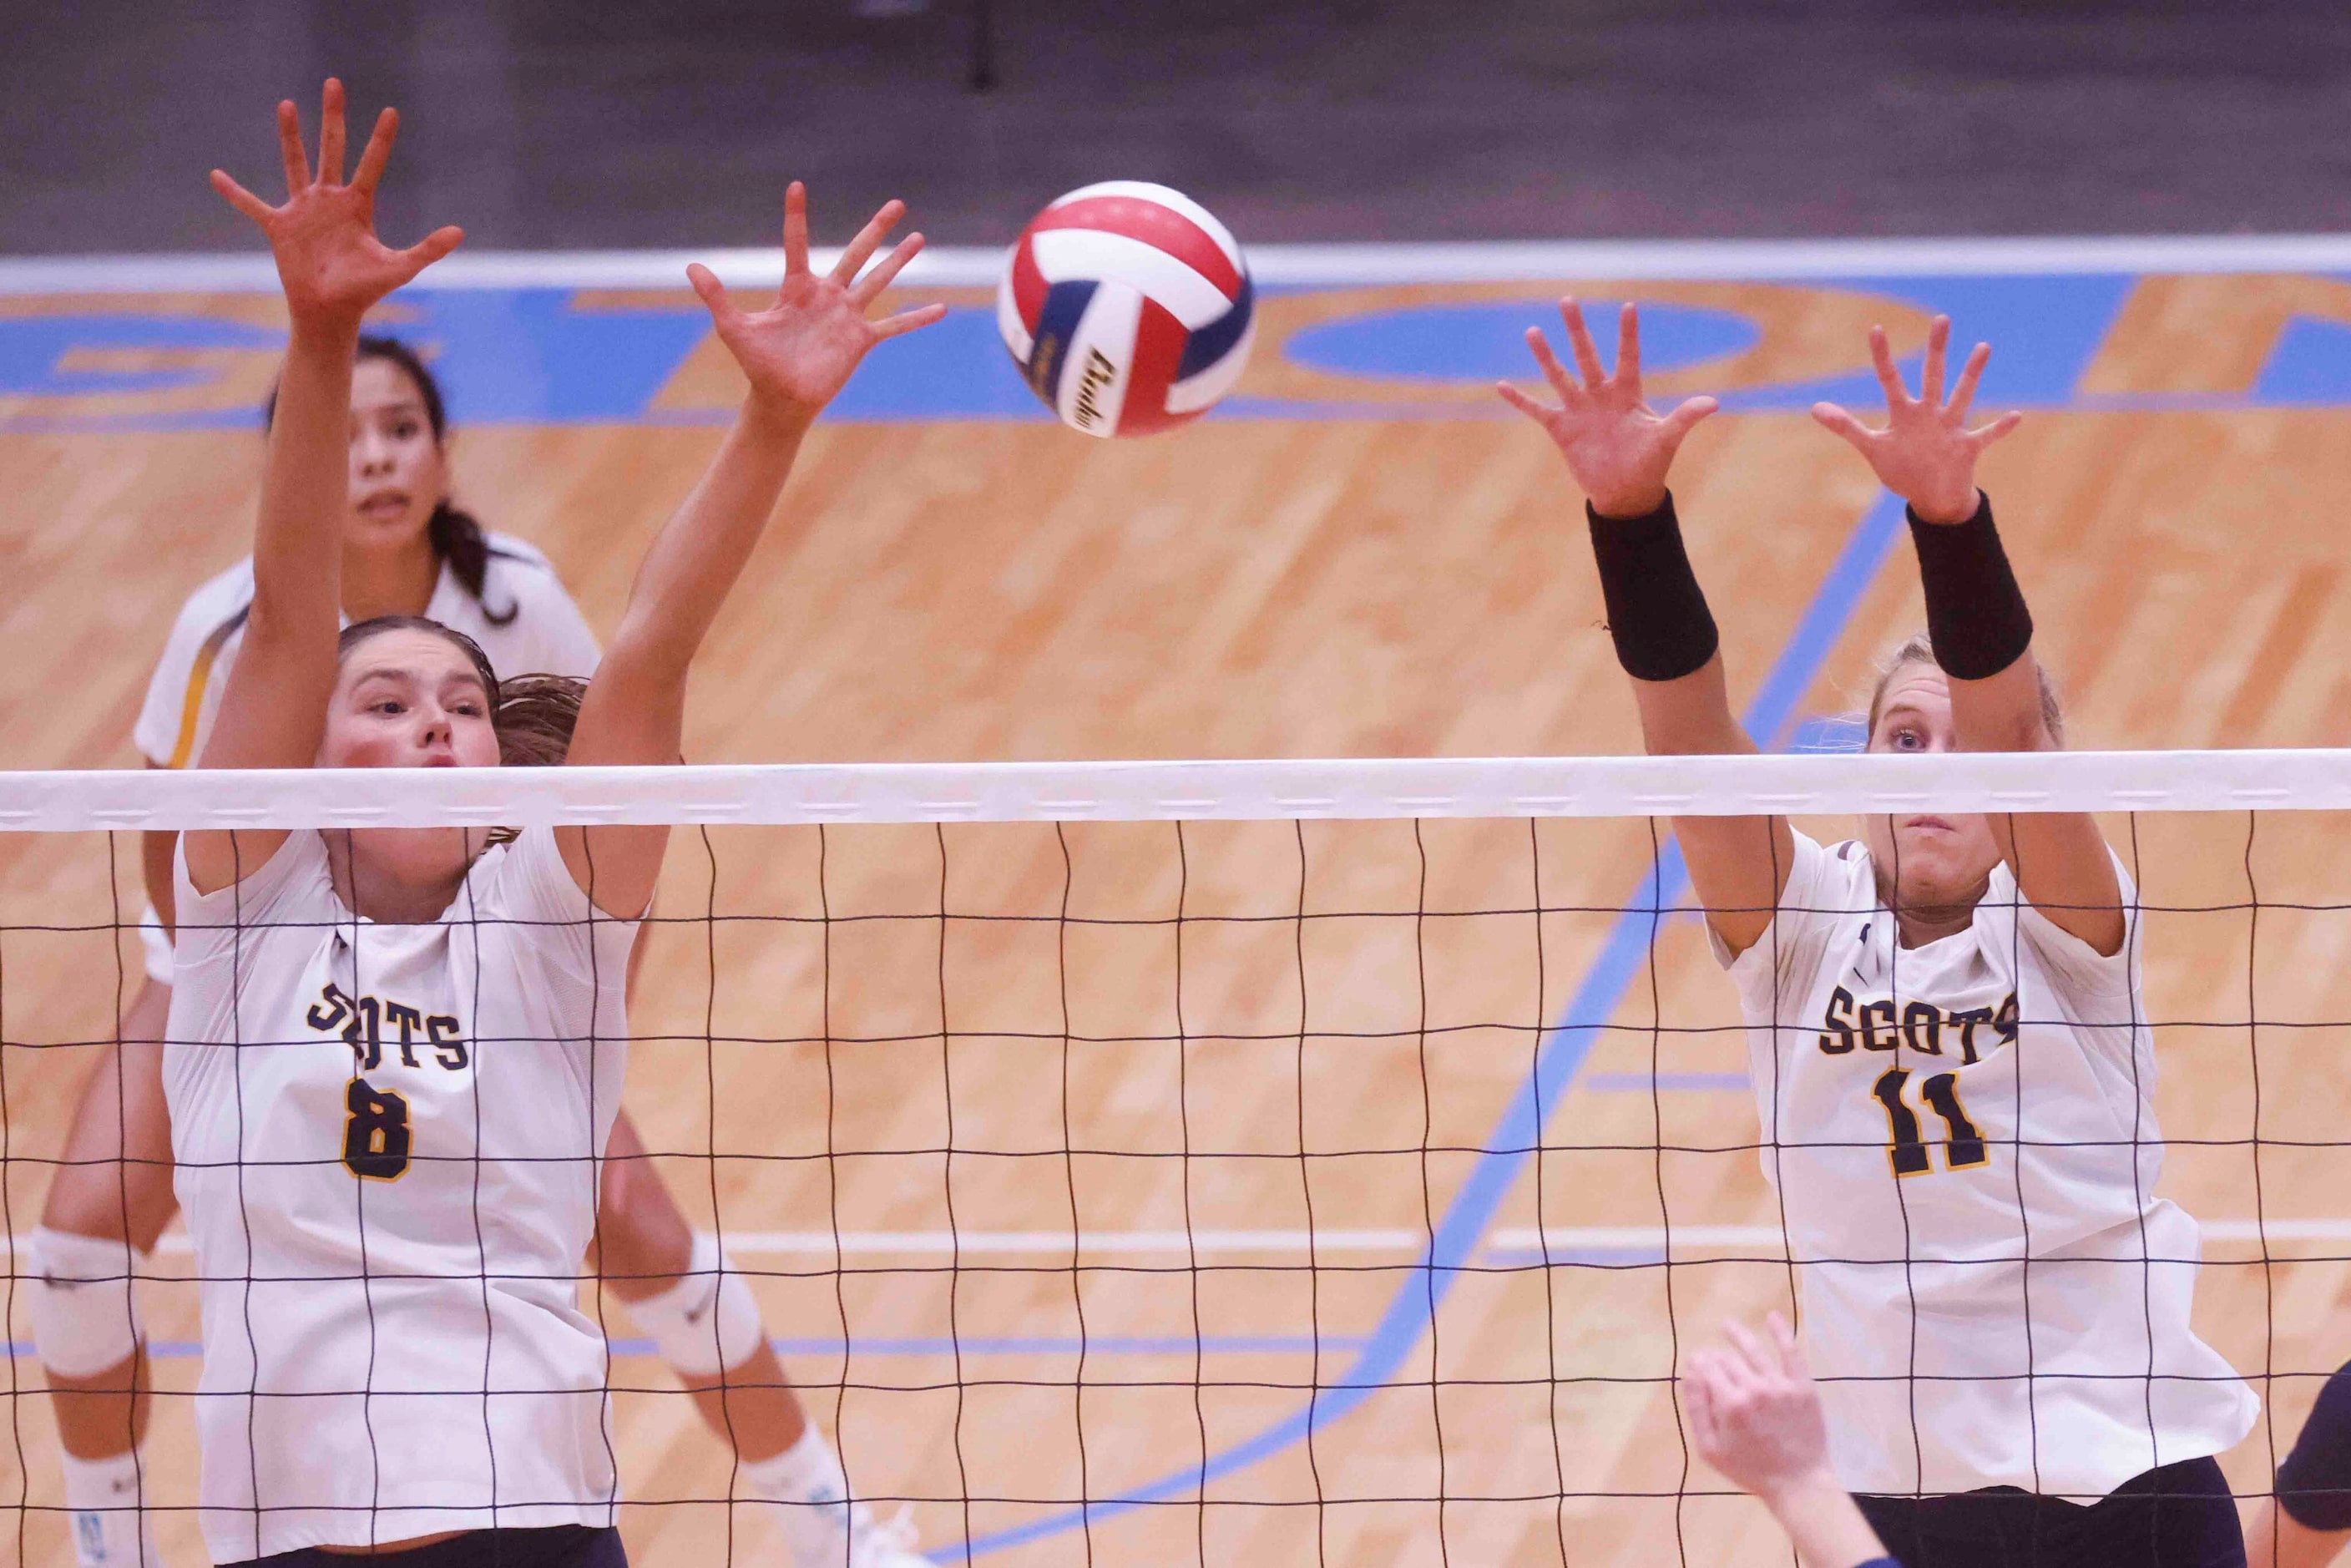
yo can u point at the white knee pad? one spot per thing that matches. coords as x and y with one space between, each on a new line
85 1302
707 1322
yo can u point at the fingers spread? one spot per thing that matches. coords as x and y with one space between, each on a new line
1881 355
707 288
796 263
907 321
1553 371
1540 412
330 133
861 250
1829 416
1964 394
1750 1353
432 248
1996 429
242 200
1683 420
1579 337
1931 377
870 287
1792 1355
289 147
378 150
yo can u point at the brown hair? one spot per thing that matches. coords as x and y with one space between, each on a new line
1919 649
456 536
535 717
360 632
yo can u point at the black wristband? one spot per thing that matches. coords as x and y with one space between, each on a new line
1975 613
1656 614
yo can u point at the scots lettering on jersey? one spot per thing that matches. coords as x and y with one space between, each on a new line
368 1023
1878 1024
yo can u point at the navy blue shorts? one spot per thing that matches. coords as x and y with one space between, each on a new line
2180 1516
2313 1484
559 1546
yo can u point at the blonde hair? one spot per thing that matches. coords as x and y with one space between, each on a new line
1918 649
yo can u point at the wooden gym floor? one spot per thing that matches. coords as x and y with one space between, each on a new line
1256 1068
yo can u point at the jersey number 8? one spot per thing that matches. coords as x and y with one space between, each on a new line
375 1137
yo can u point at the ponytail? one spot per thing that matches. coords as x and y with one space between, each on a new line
458 539
535 718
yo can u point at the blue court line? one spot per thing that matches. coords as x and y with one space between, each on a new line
1771 714
983 1344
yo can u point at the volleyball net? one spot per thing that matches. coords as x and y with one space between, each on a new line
1200 1162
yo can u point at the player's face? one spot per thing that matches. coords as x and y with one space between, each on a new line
1938 861
397 471
406 698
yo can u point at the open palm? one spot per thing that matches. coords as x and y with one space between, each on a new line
1618 449
798 353
1925 454
329 259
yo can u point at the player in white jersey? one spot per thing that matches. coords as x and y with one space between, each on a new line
390 1220
408 549
1945 1039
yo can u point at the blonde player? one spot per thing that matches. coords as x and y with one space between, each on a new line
389 1222
1945 1039
407 549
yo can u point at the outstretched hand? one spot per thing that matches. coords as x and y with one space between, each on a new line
1618 449
799 353
1925 454
1754 1413
329 261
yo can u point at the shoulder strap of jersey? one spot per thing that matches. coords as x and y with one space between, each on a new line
200 675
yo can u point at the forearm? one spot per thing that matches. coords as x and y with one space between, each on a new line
1981 630
1824 1524
699 554
298 540
1690 715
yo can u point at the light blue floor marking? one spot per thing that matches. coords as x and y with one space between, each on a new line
1455 1242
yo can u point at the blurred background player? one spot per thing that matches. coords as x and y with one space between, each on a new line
1944 1028
1755 1416
2307 1522
406 551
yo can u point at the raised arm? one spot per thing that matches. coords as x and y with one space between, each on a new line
332 268
1977 619
1619 451
797 355
1755 1416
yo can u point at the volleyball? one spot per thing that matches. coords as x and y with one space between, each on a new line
1128 307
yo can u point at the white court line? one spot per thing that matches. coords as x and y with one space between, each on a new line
1325 1243
1295 265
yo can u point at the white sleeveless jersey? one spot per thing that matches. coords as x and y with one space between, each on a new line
539 631
1963 1138
387 1142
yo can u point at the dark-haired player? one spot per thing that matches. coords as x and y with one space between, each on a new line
411 551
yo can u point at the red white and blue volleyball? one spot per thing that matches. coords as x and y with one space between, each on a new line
1128 307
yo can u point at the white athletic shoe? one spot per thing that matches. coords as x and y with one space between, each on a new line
847 1535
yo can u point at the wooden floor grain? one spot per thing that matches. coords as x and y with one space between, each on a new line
1235 1031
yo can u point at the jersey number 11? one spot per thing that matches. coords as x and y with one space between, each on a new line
1963 1145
